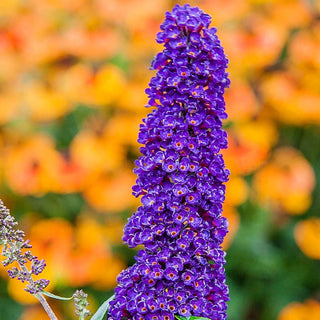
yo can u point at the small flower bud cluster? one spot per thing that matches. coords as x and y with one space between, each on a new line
181 176
80 303
14 249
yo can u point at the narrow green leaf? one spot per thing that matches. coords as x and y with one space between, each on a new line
190 318
99 315
51 295
180 317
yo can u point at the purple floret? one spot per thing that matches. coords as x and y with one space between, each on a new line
180 176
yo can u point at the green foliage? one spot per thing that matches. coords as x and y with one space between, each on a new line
51 205
9 309
54 296
101 312
265 269
65 129
191 318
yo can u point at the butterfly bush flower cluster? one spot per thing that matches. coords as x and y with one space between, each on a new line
181 176
15 250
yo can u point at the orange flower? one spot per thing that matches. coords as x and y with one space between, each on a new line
89 246
9 68
303 45
75 83
93 151
252 45
123 129
134 99
8 8
36 313
108 85
70 177
309 310
103 280
286 182
9 110
75 256
125 13
289 101
30 167
237 191
140 49
113 230
65 5
242 157
52 240
249 145
233 218
43 104
91 257
241 102
102 43
287 14
3 272
224 11
111 193
307 236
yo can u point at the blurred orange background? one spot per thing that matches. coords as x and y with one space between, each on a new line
72 81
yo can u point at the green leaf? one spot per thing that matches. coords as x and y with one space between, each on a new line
51 295
99 315
190 318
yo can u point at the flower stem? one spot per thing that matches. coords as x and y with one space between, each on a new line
46 306
39 295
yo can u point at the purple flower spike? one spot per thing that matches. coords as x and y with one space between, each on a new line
180 176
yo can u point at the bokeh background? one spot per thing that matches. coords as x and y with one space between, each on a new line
72 81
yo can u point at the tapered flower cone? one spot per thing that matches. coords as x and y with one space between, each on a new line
181 177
